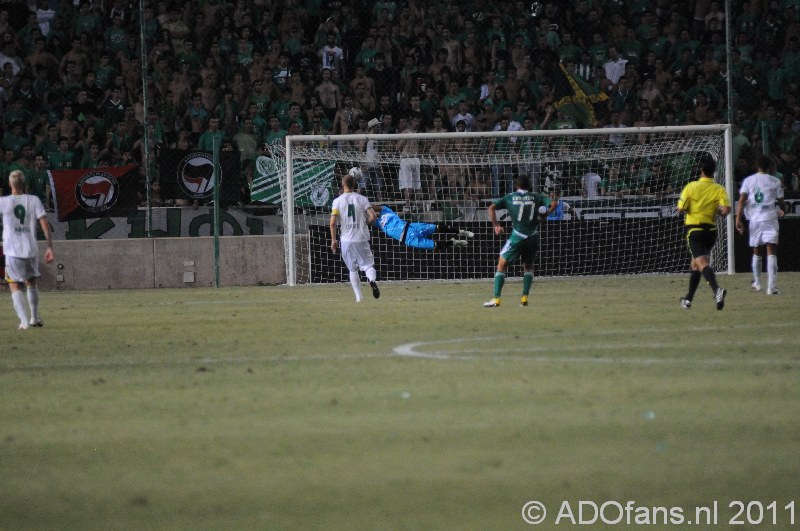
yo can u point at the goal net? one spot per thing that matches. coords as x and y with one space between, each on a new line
618 188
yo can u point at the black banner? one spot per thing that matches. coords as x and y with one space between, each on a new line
189 174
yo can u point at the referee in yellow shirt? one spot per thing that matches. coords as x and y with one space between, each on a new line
702 200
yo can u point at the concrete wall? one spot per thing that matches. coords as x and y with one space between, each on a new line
163 263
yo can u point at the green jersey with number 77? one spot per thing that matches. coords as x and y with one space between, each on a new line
523 210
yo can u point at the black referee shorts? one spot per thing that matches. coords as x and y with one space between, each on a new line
701 239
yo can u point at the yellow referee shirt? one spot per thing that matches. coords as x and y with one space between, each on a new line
700 200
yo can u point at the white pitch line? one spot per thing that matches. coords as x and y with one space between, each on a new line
410 350
611 332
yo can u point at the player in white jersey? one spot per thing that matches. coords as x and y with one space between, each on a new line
21 212
356 215
757 199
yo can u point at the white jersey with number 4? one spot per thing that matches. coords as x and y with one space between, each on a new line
352 211
763 191
21 214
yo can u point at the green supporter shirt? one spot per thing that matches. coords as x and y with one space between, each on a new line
570 53
206 142
642 180
192 58
367 57
47 148
116 39
104 75
791 63
14 142
62 161
523 208
38 181
598 53
614 186
660 47
632 51
451 102
90 162
709 90
681 170
261 101
274 138
776 83
88 23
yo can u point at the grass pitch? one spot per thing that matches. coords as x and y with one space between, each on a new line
295 408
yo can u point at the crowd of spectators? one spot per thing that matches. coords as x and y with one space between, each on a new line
252 71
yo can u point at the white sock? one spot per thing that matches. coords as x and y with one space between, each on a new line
18 298
33 302
772 272
756 267
355 281
371 274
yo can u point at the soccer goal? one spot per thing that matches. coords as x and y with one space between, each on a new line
619 188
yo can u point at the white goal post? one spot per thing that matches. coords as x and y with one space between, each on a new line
632 228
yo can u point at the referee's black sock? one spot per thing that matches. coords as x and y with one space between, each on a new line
694 281
711 278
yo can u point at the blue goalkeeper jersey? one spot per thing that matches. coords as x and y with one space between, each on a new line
391 223
413 234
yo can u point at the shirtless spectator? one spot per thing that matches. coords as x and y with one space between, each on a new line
42 58
328 93
181 88
453 47
68 126
346 118
363 100
440 62
209 90
361 78
77 56
472 51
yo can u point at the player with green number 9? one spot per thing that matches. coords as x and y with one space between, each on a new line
20 213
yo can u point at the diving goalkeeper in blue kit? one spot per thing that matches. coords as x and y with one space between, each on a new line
418 234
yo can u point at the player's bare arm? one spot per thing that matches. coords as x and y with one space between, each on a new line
739 211
498 229
781 207
49 256
334 241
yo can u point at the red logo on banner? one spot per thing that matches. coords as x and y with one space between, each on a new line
97 191
196 175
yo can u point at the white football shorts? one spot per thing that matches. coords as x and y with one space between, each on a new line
763 232
21 269
357 255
